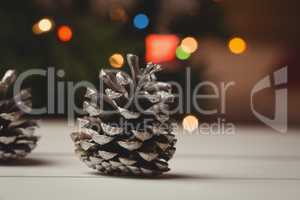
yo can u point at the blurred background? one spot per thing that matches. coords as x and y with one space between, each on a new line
221 40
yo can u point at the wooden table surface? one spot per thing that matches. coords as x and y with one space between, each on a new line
255 163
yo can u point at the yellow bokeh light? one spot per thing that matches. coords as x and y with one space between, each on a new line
116 60
36 29
190 123
237 45
45 25
189 44
42 26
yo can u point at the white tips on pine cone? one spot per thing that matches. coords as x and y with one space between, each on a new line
112 94
156 128
127 161
96 160
130 144
7 140
162 146
148 156
128 114
91 109
85 145
82 122
78 136
90 92
123 78
170 137
106 165
151 68
159 111
23 141
80 153
152 98
88 163
8 79
29 131
110 80
124 169
102 73
146 171
5 155
162 165
142 135
158 86
99 167
134 170
11 116
166 96
24 106
20 152
107 155
102 139
162 117
111 130
23 100
89 132
170 152
115 164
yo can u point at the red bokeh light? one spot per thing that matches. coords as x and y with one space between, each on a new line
64 33
161 48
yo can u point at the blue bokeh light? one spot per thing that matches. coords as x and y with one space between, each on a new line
141 21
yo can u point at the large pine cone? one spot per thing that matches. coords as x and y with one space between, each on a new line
130 140
17 137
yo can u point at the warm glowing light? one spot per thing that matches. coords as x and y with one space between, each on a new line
116 60
45 25
181 54
64 33
36 30
189 44
118 13
237 45
190 123
161 48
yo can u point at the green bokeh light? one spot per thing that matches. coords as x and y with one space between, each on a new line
181 54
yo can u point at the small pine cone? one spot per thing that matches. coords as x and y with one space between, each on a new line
17 137
128 130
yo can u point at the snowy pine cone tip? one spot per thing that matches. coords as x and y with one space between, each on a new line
17 136
128 129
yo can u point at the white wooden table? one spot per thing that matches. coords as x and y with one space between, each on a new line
256 163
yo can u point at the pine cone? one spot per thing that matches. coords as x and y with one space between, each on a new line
128 129
17 137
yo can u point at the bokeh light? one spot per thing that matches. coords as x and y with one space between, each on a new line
116 60
141 21
36 30
118 13
190 123
181 54
189 44
64 33
161 47
237 45
43 26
